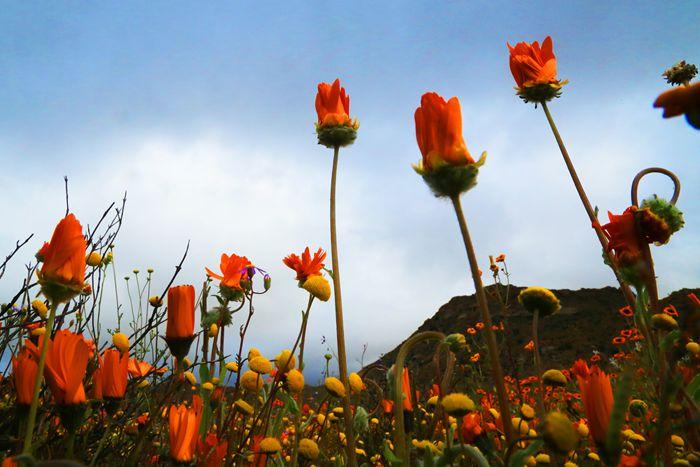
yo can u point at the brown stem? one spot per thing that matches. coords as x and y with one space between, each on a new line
494 357
340 331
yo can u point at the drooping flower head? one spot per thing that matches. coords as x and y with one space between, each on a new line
446 164
306 265
66 362
534 69
597 397
24 372
234 269
624 240
114 373
184 429
62 274
334 126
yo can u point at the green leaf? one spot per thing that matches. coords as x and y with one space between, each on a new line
391 457
361 421
472 453
670 339
289 402
428 460
613 443
204 374
518 459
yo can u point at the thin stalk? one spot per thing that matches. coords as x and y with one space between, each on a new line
626 291
538 360
340 331
491 344
27 448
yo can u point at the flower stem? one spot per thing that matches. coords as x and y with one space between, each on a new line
626 291
491 344
538 360
27 448
340 331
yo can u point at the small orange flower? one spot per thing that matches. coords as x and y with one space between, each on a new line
62 275
475 358
619 340
671 311
531 64
66 361
500 258
471 331
306 265
114 373
184 429
387 406
471 427
626 311
439 133
332 105
234 269
479 326
597 396
406 389
530 346
139 369
24 371
180 312
624 239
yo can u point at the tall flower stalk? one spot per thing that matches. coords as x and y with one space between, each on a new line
336 129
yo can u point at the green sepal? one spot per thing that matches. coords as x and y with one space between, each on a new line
450 180
336 136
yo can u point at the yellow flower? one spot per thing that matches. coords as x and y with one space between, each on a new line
186 362
191 378
251 381
432 402
356 383
583 430
94 259
295 381
260 365
232 367
664 322
677 441
457 404
270 446
38 332
213 330
426 443
40 307
559 433
527 412
593 456
215 380
520 425
208 386
692 347
253 352
318 286
541 299
554 378
243 406
334 387
155 301
542 458
285 361
120 341
144 384
308 449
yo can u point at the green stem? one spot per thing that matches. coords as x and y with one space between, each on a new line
491 344
340 331
538 361
27 448
102 441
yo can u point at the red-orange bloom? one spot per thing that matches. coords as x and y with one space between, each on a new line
184 429
597 396
626 311
406 389
211 452
306 265
471 427
234 269
531 64
624 239
114 373
680 100
439 133
64 258
180 312
66 361
332 105
138 369
24 371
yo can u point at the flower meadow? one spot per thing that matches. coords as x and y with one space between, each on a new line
163 388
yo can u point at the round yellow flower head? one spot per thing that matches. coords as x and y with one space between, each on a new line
583 430
120 341
318 286
190 377
38 332
232 367
457 404
285 361
251 381
270 446
559 433
554 378
320 419
677 441
664 322
432 402
527 412
520 425
260 365
295 381
638 408
541 299
542 458
334 387
356 383
215 380
40 307
253 352
208 386
691 347
243 407
593 456
308 449
94 259
213 329
155 301
426 443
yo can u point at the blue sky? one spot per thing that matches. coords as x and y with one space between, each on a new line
204 114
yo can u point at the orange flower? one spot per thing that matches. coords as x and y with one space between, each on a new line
597 397
406 389
387 406
96 390
180 312
530 346
184 429
471 427
332 105
66 361
500 258
114 373
532 65
439 133
211 452
681 100
24 371
626 311
624 239
475 358
139 369
62 275
234 269
306 265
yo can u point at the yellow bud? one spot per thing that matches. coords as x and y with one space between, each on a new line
40 307
94 259
144 384
190 377
213 330
38 332
208 386
155 301
232 366
120 341
215 380
186 362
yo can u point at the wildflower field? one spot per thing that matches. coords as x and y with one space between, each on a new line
166 386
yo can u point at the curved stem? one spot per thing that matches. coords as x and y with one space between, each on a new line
491 344
626 291
27 448
340 331
399 432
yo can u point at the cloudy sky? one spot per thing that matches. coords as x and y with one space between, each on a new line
203 113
